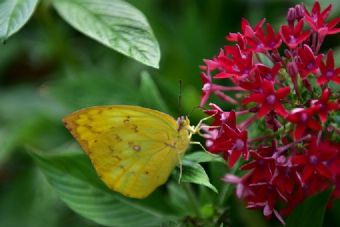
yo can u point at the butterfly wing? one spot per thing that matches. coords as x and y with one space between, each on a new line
133 149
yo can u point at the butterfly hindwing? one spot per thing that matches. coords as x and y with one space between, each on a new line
133 149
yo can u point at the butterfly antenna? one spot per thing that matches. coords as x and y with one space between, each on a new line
193 109
180 99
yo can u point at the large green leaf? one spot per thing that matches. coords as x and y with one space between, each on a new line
202 156
13 15
74 179
114 23
195 173
311 212
25 196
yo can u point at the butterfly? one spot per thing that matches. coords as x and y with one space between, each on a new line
133 149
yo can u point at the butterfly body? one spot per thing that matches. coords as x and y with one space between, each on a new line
133 149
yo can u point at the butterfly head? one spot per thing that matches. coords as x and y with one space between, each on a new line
183 123
183 134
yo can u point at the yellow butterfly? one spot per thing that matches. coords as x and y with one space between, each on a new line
133 149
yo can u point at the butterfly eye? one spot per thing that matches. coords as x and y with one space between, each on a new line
180 123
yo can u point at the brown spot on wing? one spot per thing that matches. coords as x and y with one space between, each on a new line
136 148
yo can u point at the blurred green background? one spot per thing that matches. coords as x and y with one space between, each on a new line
48 70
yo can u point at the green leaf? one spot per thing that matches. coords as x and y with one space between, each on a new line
202 156
195 173
13 15
28 186
179 198
150 93
114 23
77 184
265 60
311 212
334 214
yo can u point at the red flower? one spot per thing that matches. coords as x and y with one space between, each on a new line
285 179
315 158
293 200
265 196
221 117
247 30
224 136
294 36
255 83
302 159
210 88
303 119
308 62
324 105
240 64
317 20
265 41
242 189
328 72
252 83
262 167
206 89
334 166
232 142
269 99
267 72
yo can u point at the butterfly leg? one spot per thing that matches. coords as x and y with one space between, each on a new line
196 129
180 168
200 144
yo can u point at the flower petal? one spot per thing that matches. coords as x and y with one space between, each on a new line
282 92
258 98
307 173
322 170
235 155
264 109
280 109
299 131
299 159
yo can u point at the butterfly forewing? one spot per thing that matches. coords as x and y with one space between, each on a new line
133 149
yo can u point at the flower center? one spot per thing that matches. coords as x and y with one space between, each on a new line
261 162
329 74
235 68
239 144
310 65
206 87
292 39
304 117
272 44
271 99
268 76
260 46
313 159
322 106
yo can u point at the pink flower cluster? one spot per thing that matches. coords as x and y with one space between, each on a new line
283 97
